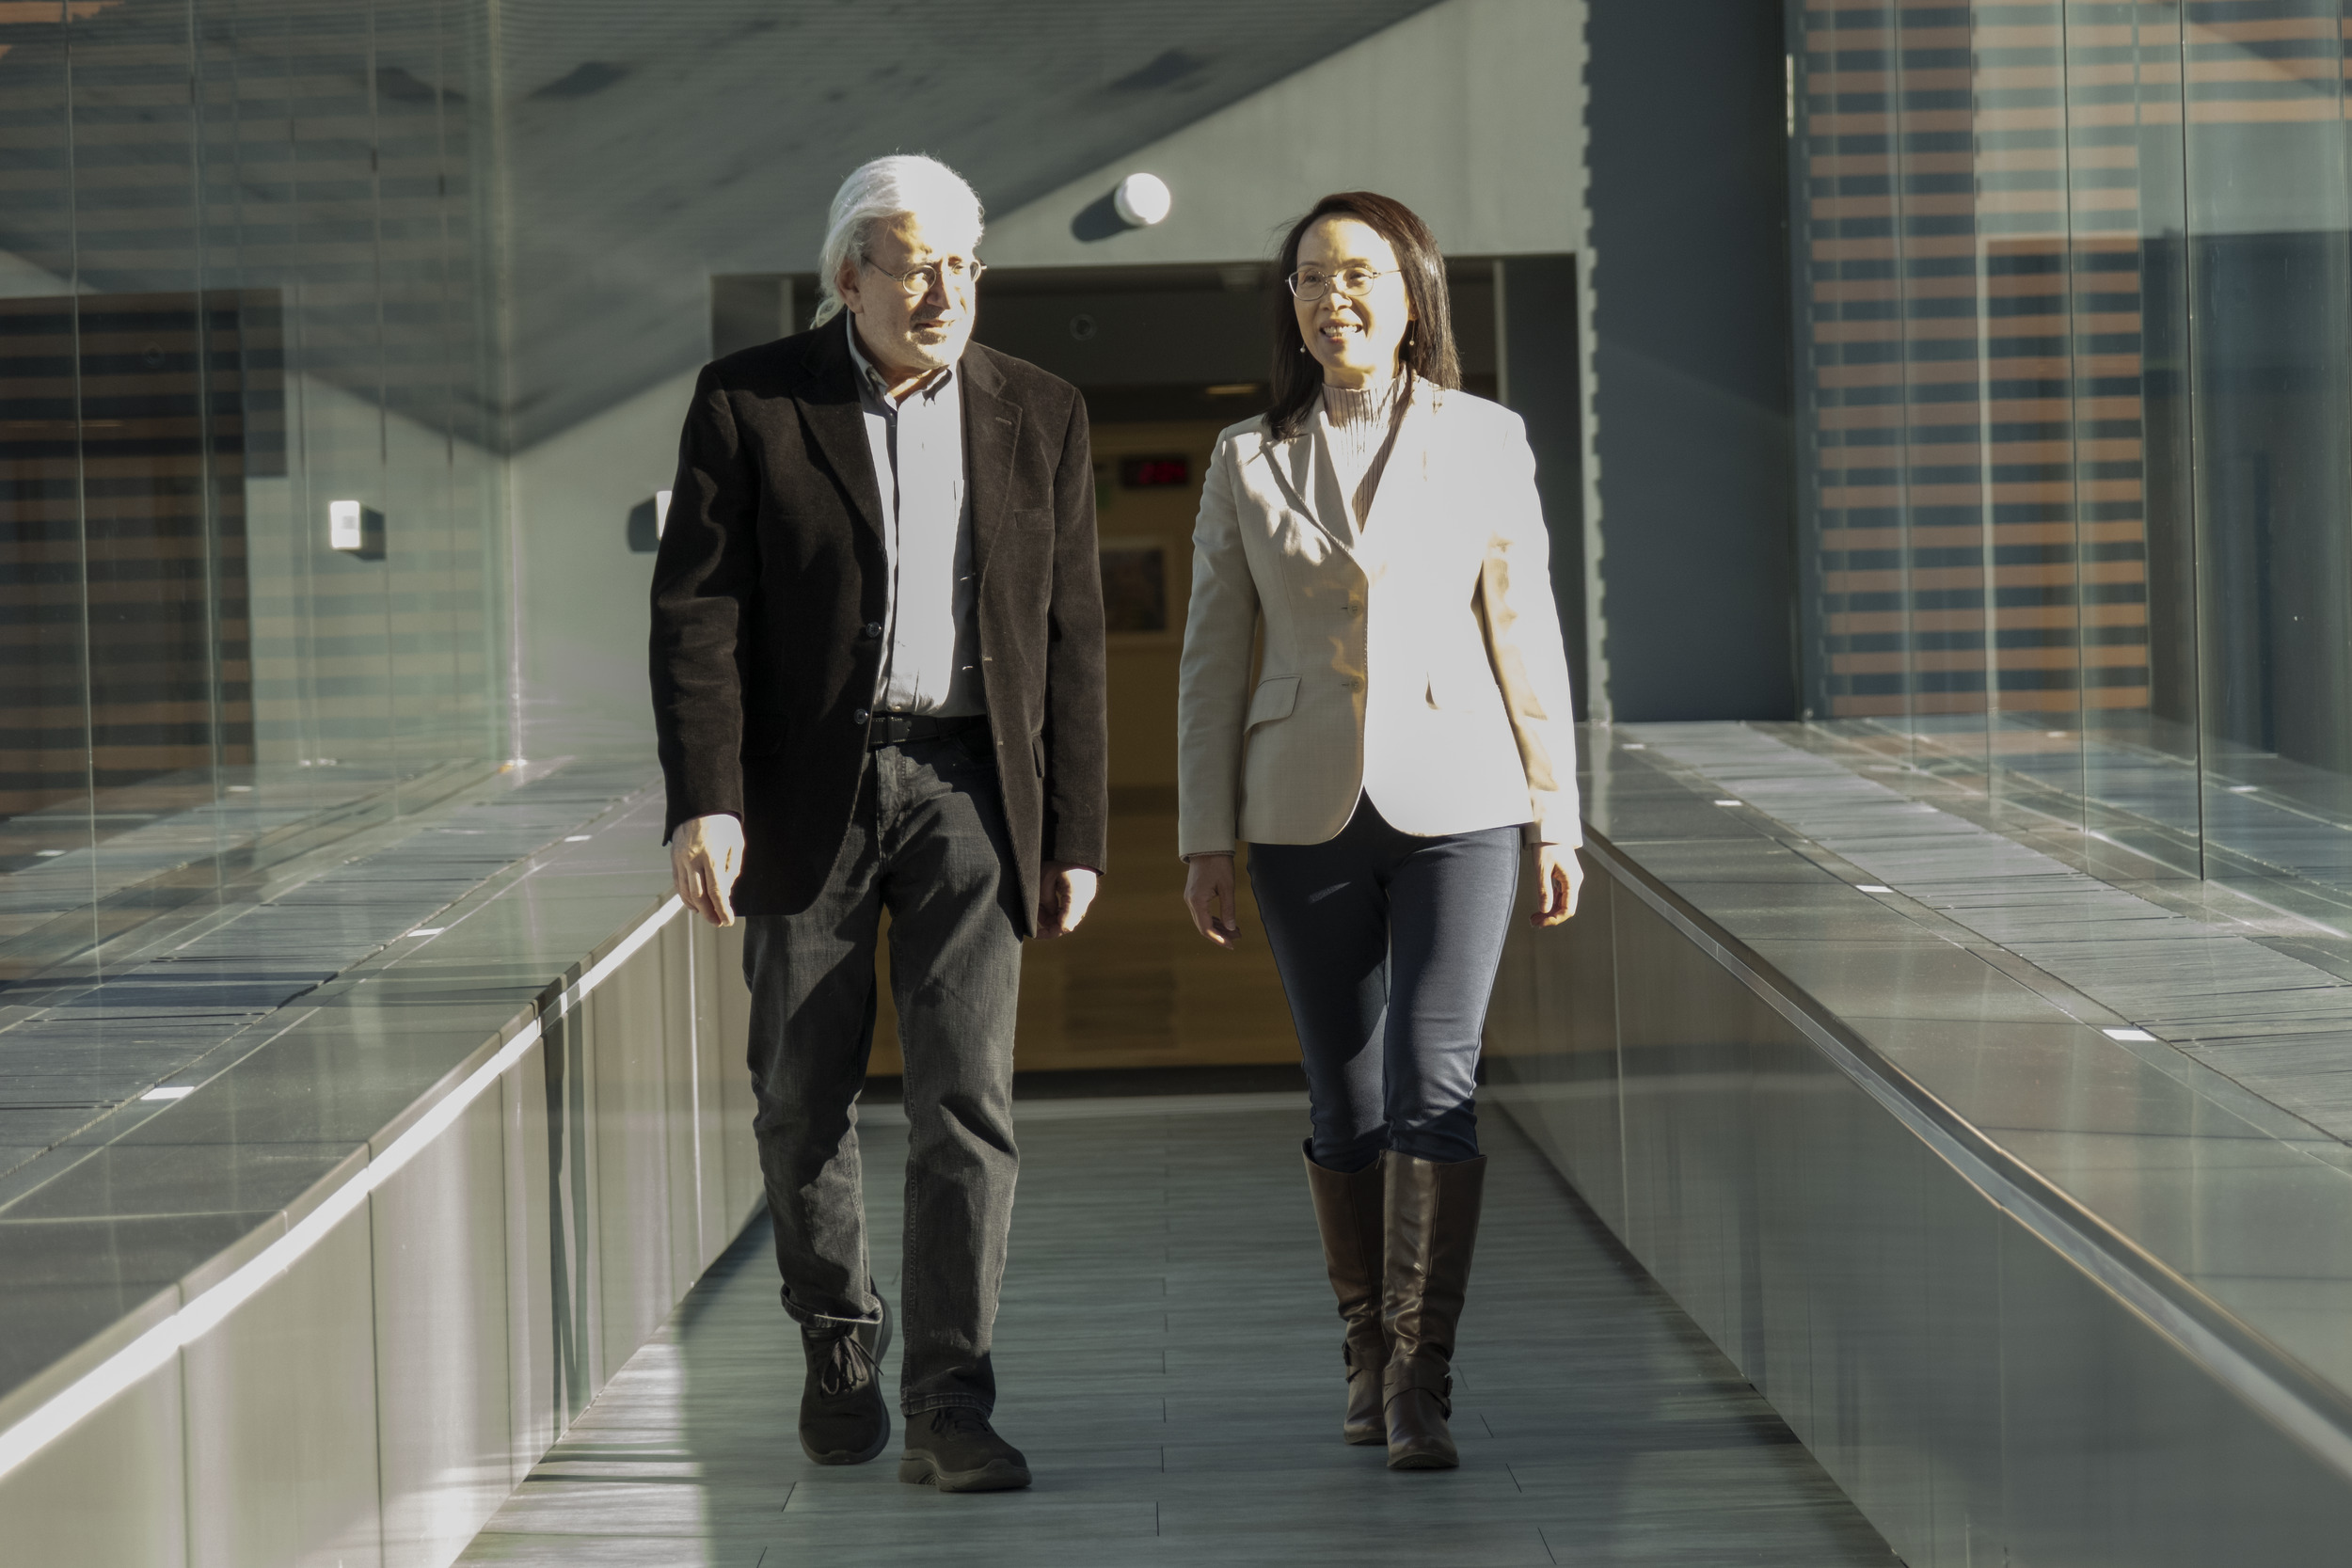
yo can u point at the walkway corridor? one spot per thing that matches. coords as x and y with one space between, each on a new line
1168 1358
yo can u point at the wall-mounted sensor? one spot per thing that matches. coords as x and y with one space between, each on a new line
646 520
1142 199
355 529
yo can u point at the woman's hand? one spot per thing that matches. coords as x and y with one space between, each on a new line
705 856
1562 878
1210 894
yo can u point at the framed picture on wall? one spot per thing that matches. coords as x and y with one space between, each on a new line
1135 587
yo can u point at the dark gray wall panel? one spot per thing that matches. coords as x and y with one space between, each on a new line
1691 335
1542 383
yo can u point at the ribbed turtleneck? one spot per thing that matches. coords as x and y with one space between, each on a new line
1360 425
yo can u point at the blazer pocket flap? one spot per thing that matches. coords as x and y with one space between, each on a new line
763 734
1275 699
1037 518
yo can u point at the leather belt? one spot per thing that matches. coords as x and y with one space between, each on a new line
898 729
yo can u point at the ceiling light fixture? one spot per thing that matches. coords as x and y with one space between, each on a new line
1143 199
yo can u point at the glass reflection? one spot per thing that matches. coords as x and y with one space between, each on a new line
240 278
2075 279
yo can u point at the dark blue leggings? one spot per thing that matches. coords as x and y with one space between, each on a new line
1388 945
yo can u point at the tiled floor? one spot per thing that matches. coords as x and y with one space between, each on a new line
1168 1358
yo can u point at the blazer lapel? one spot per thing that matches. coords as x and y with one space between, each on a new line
1308 484
836 417
992 436
1334 511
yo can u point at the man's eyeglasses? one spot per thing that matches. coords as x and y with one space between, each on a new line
960 275
1355 282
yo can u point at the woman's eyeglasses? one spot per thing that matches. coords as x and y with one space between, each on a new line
1355 282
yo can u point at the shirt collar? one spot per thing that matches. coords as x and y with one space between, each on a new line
929 387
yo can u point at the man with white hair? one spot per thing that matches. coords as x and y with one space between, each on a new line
878 685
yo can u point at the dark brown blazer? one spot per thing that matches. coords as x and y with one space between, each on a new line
770 589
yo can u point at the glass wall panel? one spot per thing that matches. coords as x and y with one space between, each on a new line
45 787
242 280
2270 280
1849 322
2134 443
161 477
2131 625
2075 281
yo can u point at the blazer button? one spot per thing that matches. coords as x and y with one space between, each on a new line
873 628
1355 685
1354 608
861 716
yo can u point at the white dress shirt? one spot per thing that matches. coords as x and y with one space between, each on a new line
930 637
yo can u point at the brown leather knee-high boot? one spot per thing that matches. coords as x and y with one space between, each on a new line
1347 1213
1432 1213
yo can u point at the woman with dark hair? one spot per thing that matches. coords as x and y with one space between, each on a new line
1407 728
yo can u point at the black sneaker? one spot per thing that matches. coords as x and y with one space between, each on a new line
955 1450
844 1419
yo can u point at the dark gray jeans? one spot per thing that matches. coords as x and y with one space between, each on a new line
1387 945
927 842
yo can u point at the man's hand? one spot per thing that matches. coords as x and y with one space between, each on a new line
705 856
1210 894
1562 878
1063 901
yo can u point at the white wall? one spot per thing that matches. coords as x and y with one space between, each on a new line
375 660
1472 113
356 660
583 594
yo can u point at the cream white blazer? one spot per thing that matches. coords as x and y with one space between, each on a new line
1417 660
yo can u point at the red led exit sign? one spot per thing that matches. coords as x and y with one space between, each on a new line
1155 473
